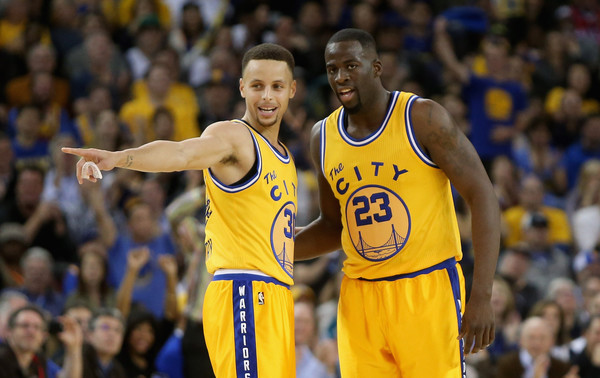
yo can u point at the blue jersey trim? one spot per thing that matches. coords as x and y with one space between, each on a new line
247 184
455 283
248 277
411 135
244 329
362 142
446 264
323 123
283 158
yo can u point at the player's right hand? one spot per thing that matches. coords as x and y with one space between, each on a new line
105 160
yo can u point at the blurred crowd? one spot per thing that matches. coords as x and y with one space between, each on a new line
125 257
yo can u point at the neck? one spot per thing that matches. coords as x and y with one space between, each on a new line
105 359
23 357
372 113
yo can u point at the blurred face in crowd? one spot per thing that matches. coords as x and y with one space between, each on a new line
92 268
141 338
41 59
141 222
159 81
552 314
592 335
37 274
13 303
304 323
591 288
82 315
536 337
30 186
28 333
29 122
532 193
566 299
107 336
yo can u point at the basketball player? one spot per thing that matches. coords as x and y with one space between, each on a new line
386 161
251 206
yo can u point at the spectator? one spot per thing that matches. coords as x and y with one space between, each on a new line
138 112
588 360
547 261
104 341
588 147
92 287
565 293
7 159
531 200
37 265
513 267
143 338
97 60
537 156
10 301
533 357
88 110
40 58
13 244
492 127
307 365
554 315
44 223
27 142
505 178
148 40
22 355
146 281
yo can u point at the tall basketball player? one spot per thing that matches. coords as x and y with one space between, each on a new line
251 208
386 162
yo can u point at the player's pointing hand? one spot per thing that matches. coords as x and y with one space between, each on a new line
104 160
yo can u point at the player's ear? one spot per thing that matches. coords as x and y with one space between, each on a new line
242 88
377 68
293 89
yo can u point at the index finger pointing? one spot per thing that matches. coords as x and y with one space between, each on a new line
72 151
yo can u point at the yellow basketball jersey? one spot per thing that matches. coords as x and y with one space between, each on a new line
251 225
396 204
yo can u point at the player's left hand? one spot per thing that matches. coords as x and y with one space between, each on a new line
477 329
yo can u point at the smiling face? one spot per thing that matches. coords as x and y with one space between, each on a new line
351 71
267 86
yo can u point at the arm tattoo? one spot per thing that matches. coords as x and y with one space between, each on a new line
129 161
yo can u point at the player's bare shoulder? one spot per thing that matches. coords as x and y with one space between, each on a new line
237 136
432 124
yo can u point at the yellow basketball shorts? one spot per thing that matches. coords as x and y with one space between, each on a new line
249 326
403 326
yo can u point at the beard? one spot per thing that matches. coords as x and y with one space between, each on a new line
353 109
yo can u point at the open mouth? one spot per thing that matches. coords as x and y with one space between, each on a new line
267 111
346 93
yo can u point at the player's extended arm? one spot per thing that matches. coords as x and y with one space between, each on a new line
218 141
324 233
455 155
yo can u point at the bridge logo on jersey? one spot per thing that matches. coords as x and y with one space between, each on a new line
378 222
282 237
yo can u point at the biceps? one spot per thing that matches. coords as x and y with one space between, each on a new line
206 151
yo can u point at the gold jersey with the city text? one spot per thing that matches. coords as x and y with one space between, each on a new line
250 225
396 204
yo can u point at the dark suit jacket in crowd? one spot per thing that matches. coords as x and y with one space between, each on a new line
509 366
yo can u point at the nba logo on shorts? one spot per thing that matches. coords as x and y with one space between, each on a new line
261 298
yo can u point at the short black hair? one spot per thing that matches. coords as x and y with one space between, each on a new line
365 39
269 51
12 320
